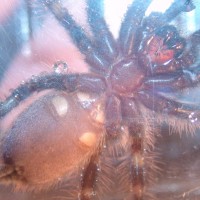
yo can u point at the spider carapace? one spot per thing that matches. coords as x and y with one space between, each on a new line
102 125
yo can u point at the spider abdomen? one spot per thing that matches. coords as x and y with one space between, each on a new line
57 145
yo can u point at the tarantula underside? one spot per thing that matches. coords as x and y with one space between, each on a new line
102 124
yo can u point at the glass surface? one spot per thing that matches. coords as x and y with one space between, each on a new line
51 160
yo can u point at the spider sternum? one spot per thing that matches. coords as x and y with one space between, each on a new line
125 77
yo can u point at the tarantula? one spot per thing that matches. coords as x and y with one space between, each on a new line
108 112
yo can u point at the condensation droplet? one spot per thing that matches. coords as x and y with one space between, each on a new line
122 128
34 78
94 193
16 96
192 117
60 67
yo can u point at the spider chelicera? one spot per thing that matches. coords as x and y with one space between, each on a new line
112 109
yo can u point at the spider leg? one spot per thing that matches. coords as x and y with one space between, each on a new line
92 56
130 117
176 8
130 25
67 82
138 165
180 79
167 106
104 40
160 19
195 43
10 45
113 116
89 179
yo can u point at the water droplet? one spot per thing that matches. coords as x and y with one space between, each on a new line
49 1
192 117
34 78
60 67
122 128
93 193
16 96
183 195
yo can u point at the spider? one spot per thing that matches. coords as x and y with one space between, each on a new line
116 105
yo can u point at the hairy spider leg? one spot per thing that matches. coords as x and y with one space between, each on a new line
173 82
67 82
130 25
156 20
103 38
92 55
176 8
89 178
130 113
138 164
195 42
160 104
